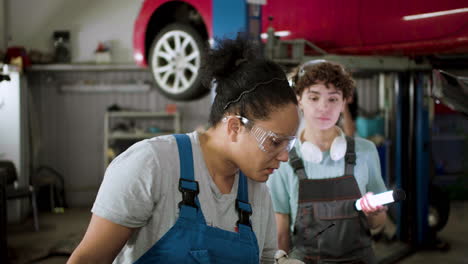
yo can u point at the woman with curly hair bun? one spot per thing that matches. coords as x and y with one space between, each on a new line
201 197
314 194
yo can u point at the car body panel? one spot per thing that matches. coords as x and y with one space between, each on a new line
314 20
420 28
358 27
390 23
372 27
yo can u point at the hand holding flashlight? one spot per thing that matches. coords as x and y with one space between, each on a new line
282 258
371 203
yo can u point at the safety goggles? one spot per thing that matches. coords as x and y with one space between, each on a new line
268 141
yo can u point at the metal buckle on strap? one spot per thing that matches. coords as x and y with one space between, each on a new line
296 163
189 190
245 211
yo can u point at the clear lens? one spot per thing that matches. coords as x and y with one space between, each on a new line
267 140
270 142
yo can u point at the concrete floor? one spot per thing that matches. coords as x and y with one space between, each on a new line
61 233
455 234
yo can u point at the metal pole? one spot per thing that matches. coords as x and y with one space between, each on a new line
402 153
421 137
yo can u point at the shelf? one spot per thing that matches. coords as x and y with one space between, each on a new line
140 114
86 67
104 88
444 179
448 138
136 135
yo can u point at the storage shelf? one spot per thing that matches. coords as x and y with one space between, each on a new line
86 67
136 135
448 138
111 137
126 114
104 88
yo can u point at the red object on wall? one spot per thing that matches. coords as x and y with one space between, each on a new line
171 108
440 108
17 51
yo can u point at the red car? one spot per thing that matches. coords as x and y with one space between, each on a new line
170 36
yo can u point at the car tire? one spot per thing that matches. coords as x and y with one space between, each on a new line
439 208
175 58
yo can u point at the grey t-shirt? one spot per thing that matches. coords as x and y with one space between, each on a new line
140 190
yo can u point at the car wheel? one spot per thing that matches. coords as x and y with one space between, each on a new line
439 208
175 59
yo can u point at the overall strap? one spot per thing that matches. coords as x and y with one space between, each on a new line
243 206
296 163
350 157
185 156
187 185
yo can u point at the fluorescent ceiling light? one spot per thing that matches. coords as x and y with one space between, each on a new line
435 14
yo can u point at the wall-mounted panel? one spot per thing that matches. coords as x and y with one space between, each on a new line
71 123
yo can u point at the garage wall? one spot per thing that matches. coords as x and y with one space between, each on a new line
31 24
71 132
367 89
3 36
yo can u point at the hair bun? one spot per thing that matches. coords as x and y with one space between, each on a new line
227 56
240 61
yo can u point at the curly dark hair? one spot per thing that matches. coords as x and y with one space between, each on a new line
321 71
246 83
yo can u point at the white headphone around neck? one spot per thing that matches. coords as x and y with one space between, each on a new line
312 153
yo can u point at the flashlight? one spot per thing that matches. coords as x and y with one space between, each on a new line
383 198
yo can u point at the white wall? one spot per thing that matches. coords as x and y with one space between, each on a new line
70 131
2 26
32 22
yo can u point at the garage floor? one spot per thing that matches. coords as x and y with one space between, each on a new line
60 234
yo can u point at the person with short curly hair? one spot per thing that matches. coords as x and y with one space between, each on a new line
319 71
313 195
201 197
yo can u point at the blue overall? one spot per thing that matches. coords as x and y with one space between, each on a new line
190 240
